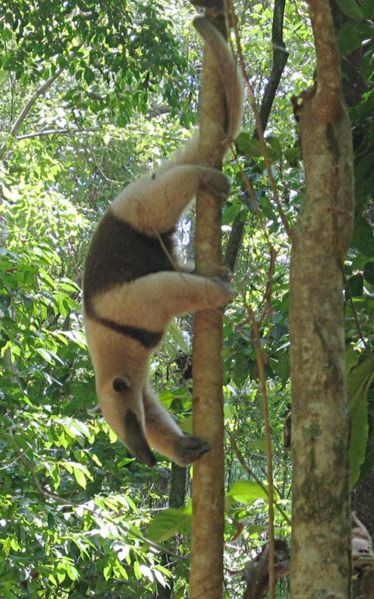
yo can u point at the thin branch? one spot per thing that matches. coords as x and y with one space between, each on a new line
266 300
280 57
206 573
269 452
28 106
31 101
46 132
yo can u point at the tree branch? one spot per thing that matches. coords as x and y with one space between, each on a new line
31 101
66 131
27 108
280 57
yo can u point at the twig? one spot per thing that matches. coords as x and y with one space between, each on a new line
66 131
269 451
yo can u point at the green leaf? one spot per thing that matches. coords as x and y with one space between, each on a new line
350 8
71 570
61 576
81 473
95 459
247 491
137 572
292 155
80 477
107 571
248 145
89 75
230 212
53 472
169 522
120 571
46 355
275 148
359 380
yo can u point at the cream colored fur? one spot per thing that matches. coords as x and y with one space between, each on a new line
152 206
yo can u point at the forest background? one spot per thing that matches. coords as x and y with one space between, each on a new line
93 94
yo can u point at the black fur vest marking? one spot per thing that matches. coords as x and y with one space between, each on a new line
147 338
118 254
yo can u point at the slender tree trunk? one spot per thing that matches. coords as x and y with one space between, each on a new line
321 549
206 578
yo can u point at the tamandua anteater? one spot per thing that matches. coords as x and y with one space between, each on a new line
133 284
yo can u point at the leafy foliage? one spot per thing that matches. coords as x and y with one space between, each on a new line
109 52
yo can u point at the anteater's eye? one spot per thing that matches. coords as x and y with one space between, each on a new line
121 384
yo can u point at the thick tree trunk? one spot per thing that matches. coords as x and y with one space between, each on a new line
321 549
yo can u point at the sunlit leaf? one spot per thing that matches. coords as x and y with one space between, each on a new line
247 491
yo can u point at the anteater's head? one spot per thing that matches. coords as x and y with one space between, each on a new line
121 402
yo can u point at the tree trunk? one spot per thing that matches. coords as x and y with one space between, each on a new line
320 564
206 577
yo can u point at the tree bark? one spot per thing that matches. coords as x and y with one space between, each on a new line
206 577
320 563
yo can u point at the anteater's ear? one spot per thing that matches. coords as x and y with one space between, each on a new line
121 384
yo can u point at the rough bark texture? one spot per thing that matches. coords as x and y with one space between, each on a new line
206 578
320 565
